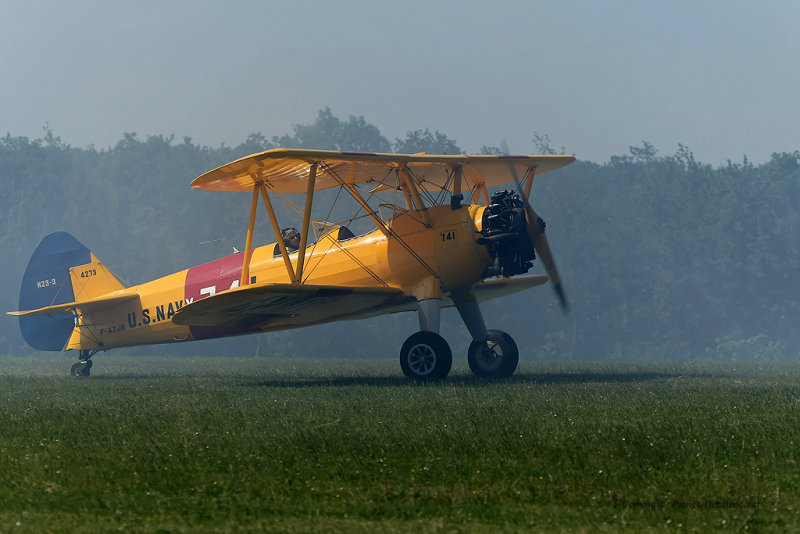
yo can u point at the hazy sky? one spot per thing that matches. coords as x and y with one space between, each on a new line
597 76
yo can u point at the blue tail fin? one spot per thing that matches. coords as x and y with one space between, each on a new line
47 282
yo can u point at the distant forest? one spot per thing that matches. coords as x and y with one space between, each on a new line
663 257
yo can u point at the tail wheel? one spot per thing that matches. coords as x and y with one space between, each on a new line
497 357
426 356
81 368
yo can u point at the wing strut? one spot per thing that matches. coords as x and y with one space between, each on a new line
301 254
277 229
386 230
458 172
484 193
408 183
249 244
363 203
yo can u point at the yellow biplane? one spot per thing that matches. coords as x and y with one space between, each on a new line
436 239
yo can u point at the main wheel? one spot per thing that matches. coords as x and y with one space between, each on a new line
497 357
426 356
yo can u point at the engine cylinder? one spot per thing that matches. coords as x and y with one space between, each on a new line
505 234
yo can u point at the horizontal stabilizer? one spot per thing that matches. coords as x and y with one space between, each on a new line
84 307
275 306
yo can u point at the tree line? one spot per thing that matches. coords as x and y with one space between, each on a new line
662 257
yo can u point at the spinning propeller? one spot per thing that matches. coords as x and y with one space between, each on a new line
536 232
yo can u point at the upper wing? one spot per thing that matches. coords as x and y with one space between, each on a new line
286 170
278 306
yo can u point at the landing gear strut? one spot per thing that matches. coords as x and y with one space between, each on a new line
83 367
426 356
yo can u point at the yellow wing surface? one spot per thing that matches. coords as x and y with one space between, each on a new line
279 306
286 170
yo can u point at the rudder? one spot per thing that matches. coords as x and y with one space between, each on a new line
47 282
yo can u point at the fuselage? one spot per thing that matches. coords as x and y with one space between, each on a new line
423 260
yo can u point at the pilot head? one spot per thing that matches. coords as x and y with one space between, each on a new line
291 238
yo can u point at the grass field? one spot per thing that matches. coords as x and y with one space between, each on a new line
216 445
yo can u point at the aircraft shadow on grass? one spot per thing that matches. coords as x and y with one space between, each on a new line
468 380
545 378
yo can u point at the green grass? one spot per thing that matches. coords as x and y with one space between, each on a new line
215 445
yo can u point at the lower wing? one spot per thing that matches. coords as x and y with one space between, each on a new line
279 306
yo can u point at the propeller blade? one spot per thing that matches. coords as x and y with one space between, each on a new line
540 243
542 247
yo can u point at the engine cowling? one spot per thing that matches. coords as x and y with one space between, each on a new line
505 235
